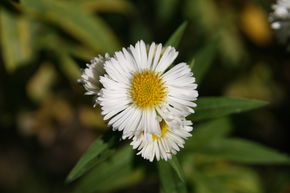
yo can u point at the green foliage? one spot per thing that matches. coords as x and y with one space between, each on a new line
209 176
244 151
16 40
69 66
211 140
203 59
177 167
115 173
212 107
96 153
121 6
87 28
175 38
165 9
213 22
169 180
209 131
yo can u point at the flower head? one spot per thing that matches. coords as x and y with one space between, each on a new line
141 95
139 90
164 146
280 19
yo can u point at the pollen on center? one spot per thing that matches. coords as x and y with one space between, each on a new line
147 89
164 130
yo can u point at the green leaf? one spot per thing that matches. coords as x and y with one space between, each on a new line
96 153
115 173
169 181
217 176
69 67
191 64
16 40
208 131
87 28
177 167
203 59
244 151
175 38
121 6
212 107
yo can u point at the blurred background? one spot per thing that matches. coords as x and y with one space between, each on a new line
47 123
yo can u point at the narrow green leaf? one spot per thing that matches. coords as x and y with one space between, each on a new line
203 59
175 38
170 182
16 35
87 28
96 153
115 173
191 64
177 167
208 131
212 107
244 151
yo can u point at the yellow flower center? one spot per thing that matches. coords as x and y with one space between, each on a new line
164 130
147 90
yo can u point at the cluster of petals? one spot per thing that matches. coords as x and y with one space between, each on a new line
145 96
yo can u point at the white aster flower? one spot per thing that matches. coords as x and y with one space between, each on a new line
91 75
280 19
140 90
164 146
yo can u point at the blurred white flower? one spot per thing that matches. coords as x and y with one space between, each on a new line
164 146
139 90
91 75
280 20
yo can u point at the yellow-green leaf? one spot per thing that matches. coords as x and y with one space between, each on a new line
16 40
89 29
121 6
